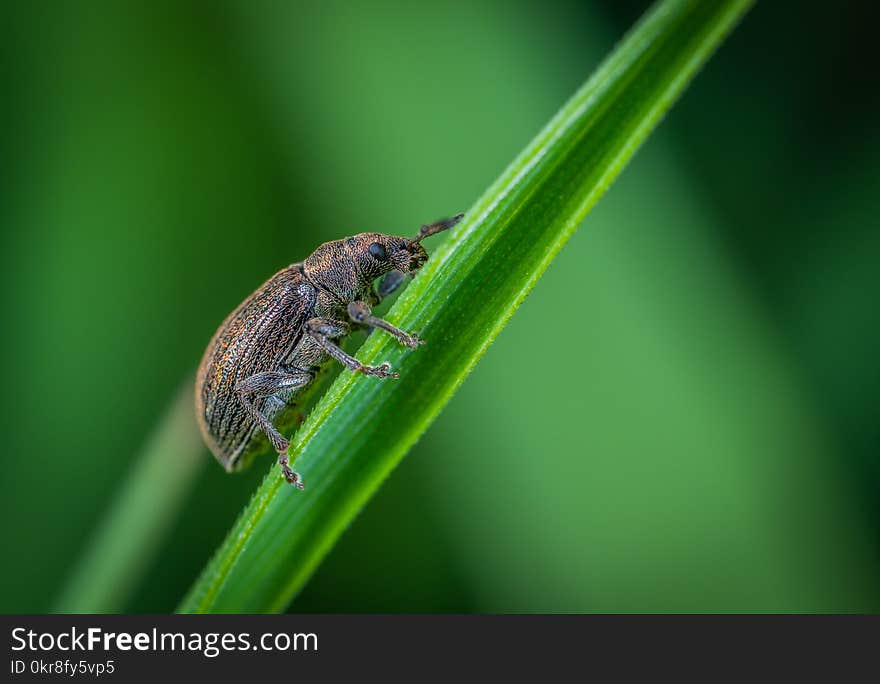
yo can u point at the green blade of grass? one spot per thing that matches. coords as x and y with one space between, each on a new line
471 286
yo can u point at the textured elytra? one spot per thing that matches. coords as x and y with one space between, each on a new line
259 335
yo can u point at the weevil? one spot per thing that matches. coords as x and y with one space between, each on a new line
271 348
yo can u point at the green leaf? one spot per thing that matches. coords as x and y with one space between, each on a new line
475 280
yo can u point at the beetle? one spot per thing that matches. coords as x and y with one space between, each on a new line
271 348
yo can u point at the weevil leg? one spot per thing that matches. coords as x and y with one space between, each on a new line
362 314
390 283
267 384
323 331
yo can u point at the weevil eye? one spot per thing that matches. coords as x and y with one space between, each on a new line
378 251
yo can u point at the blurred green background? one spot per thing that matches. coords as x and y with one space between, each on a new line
703 438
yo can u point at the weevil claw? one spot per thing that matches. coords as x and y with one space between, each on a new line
289 473
383 370
293 477
413 341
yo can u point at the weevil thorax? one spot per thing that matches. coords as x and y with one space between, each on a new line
349 267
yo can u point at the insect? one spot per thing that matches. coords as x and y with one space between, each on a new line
269 351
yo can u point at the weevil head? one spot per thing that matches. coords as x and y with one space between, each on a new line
375 254
350 266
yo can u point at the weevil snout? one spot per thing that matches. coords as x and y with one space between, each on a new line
417 256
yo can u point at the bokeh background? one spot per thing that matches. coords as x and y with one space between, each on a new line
707 440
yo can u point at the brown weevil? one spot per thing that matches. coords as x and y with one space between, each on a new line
268 351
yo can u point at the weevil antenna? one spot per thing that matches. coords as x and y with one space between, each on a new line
434 228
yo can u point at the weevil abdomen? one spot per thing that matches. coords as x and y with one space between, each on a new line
260 335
